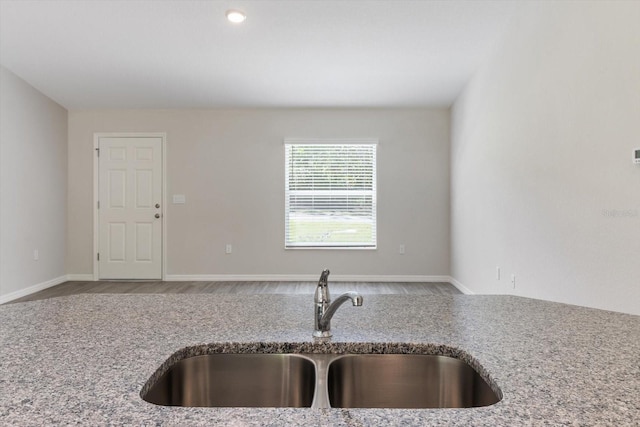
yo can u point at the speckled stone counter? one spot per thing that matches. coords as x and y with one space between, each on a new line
83 360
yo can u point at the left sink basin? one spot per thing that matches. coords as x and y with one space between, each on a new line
241 380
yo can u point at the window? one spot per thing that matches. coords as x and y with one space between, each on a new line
330 194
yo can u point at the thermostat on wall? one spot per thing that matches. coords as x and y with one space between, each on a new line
636 156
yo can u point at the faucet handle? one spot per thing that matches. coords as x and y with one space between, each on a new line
322 290
324 277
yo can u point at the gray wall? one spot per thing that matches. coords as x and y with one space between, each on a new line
543 183
230 166
33 187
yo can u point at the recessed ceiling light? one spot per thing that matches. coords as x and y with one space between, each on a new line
236 16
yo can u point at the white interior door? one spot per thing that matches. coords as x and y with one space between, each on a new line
130 208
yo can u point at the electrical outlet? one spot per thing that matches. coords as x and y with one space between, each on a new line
513 281
36 255
228 249
401 249
497 273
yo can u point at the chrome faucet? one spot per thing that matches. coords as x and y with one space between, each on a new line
325 309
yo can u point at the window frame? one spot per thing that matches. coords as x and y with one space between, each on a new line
373 244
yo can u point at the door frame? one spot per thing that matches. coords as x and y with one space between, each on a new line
96 193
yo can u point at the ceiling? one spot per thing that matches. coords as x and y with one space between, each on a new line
303 53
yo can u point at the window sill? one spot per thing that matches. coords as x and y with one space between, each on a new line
339 248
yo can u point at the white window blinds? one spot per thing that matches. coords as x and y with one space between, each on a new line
330 194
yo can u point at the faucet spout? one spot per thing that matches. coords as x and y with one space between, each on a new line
355 298
325 309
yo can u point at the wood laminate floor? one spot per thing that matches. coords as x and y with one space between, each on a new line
159 287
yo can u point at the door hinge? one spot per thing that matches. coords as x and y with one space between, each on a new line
98 204
98 152
98 256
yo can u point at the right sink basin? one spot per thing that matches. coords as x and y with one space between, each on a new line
405 381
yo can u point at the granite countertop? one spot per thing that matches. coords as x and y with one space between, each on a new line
84 359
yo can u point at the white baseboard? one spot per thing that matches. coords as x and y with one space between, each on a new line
80 277
462 288
299 278
32 289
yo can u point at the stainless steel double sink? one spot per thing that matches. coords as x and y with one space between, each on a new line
321 381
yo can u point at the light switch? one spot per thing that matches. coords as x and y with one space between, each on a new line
179 199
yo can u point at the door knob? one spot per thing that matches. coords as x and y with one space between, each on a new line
157 205
157 215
